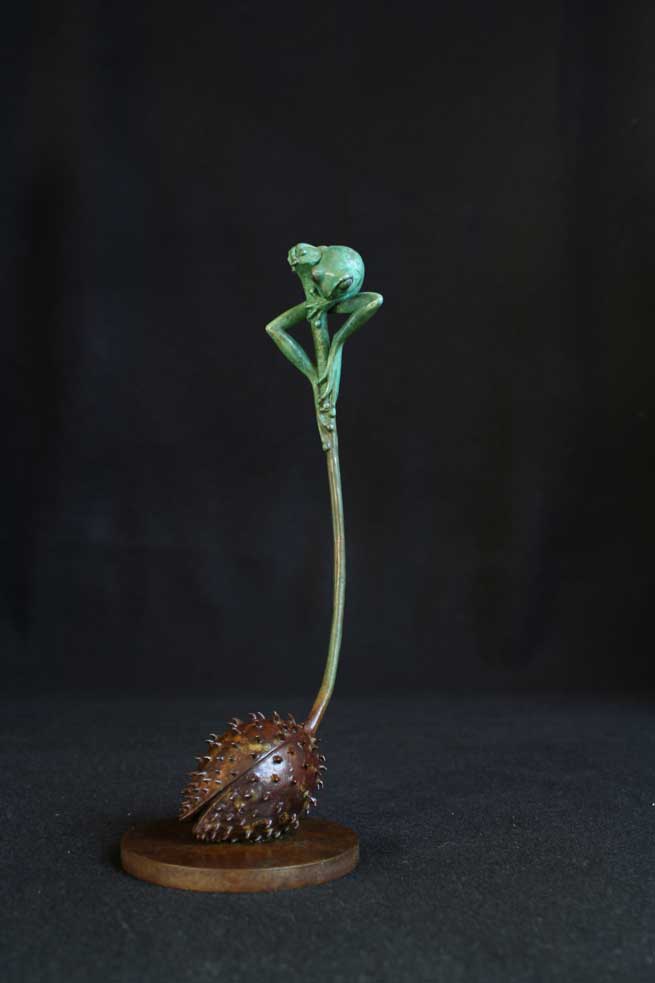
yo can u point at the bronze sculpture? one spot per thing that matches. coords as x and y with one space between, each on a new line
257 780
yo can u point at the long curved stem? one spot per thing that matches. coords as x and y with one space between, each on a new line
339 587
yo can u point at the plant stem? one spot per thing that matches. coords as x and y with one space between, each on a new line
339 587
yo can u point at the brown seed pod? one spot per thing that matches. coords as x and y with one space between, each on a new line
255 781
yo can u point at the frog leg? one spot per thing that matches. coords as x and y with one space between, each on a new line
361 308
290 348
315 311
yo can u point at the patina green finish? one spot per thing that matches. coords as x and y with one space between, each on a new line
332 277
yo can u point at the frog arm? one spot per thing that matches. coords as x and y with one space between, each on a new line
277 330
361 308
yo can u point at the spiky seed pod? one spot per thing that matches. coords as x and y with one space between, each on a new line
255 782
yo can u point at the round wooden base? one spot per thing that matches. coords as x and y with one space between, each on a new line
168 854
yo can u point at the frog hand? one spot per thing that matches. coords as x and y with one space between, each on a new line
315 306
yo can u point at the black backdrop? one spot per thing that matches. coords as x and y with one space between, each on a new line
164 496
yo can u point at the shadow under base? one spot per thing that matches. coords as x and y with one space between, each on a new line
167 853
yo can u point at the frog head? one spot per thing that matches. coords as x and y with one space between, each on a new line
303 254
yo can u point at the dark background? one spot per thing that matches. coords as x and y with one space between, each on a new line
166 554
165 502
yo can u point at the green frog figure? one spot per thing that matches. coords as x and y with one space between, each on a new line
332 278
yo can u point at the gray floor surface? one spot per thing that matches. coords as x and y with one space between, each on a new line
503 838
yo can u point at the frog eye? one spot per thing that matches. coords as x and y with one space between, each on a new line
344 284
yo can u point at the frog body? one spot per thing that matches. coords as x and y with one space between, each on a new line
328 273
339 273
